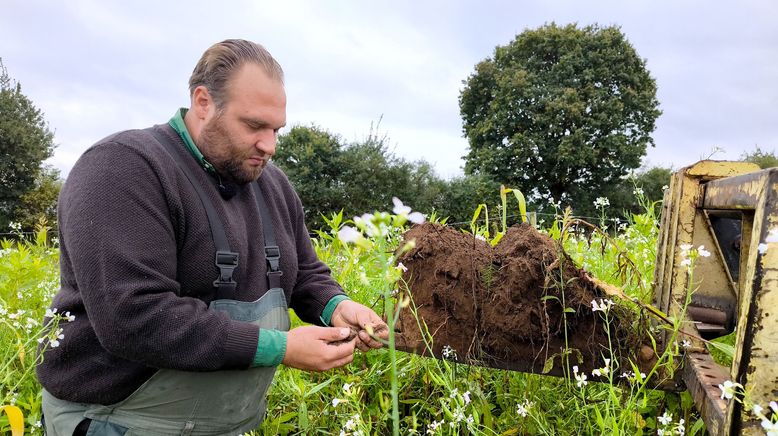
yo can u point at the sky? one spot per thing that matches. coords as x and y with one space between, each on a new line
95 67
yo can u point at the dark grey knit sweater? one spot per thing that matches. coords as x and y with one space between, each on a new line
137 269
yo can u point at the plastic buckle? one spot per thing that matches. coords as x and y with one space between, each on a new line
273 256
226 261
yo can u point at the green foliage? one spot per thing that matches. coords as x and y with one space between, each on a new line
762 158
28 281
25 142
40 203
330 175
433 396
464 194
560 112
649 183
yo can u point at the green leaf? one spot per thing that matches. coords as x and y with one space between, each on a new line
318 387
549 364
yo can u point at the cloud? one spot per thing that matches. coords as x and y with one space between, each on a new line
95 67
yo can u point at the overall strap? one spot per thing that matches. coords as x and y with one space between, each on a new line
226 260
272 252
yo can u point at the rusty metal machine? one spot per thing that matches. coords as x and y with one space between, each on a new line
732 209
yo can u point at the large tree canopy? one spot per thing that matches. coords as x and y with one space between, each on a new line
560 112
330 175
25 142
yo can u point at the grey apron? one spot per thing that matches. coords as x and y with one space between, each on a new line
182 402
175 402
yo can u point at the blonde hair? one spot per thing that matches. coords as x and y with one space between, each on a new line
223 59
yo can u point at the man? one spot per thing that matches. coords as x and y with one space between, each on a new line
167 340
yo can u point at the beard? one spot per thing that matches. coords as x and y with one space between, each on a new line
222 149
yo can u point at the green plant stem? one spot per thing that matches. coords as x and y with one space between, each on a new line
389 304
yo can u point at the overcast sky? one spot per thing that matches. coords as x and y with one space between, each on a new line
98 66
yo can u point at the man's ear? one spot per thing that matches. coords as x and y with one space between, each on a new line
202 102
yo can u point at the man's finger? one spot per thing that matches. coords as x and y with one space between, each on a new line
334 334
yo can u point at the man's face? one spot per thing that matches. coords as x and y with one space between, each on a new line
241 138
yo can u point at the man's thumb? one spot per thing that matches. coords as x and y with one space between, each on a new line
339 335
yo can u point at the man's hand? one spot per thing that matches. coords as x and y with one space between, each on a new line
354 315
314 348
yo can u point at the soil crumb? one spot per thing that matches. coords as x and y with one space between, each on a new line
512 306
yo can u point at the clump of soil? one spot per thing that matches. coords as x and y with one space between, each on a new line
502 306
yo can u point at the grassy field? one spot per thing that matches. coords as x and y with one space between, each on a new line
385 391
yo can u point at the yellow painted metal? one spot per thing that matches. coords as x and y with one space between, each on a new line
684 221
756 348
716 169
713 281
735 193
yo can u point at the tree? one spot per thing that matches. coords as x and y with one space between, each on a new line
40 203
650 182
560 112
761 158
25 142
359 177
311 158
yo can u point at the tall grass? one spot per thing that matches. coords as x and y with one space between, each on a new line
383 392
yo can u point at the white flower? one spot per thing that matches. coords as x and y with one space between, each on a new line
416 217
596 373
522 409
685 248
399 207
728 389
771 428
347 386
603 306
601 202
702 251
666 418
665 188
349 234
402 267
58 336
762 248
480 237
638 191
449 353
686 343
680 428
757 410
686 262
50 313
453 393
70 317
581 378
774 406
434 425
466 397
336 401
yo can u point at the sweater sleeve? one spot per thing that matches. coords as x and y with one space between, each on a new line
120 229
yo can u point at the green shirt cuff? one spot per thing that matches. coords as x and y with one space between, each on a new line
271 348
326 315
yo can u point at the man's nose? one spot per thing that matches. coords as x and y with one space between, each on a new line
267 142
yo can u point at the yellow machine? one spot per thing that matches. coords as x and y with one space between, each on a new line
732 209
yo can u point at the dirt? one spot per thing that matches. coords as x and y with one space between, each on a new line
504 306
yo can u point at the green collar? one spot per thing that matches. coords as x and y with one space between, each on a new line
177 123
